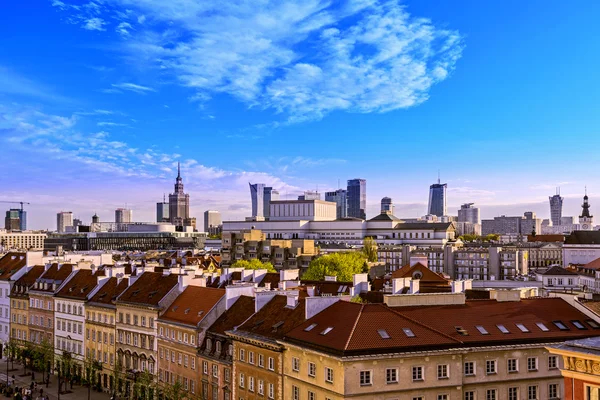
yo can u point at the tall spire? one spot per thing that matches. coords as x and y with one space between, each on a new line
178 170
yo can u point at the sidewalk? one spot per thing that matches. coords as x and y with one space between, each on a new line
79 392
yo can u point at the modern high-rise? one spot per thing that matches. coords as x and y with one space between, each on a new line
468 213
261 197
437 199
357 198
212 221
556 203
179 202
340 198
63 219
162 212
387 206
123 215
15 220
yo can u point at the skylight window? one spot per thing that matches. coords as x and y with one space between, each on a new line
502 328
383 333
522 327
542 327
327 330
482 330
578 324
592 323
310 327
560 325
408 332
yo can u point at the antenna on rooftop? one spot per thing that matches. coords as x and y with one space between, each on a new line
438 176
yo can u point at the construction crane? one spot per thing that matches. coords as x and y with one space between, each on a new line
15 202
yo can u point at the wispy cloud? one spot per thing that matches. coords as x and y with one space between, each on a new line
106 123
14 83
302 59
94 24
132 87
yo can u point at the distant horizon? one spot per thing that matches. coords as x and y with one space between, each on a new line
99 101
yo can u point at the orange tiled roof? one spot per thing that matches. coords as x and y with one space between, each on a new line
55 274
80 285
427 275
110 291
192 305
148 289
355 328
593 264
11 263
27 280
275 319
241 310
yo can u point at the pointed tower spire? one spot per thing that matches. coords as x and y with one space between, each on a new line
178 170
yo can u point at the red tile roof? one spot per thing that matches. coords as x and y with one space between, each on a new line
546 238
80 285
21 286
329 287
148 289
55 274
427 275
109 292
593 264
355 327
11 263
241 310
272 278
275 319
192 305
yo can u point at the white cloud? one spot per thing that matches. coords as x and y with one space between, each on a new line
132 87
14 83
303 59
104 123
94 24
123 28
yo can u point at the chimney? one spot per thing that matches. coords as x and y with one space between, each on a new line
331 278
289 274
414 286
360 284
183 280
292 300
418 258
233 292
315 305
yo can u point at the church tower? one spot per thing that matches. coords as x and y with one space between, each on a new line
586 221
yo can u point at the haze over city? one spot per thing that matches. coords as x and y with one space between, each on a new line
100 100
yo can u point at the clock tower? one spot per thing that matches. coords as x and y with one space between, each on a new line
586 221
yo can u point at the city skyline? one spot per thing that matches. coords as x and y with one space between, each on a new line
91 104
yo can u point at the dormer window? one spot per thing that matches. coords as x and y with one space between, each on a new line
208 344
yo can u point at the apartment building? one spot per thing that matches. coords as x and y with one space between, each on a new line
436 346
41 301
181 333
12 267
70 331
19 299
138 308
258 357
100 326
22 240
216 352
282 253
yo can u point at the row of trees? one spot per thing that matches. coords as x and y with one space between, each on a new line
253 264
492 237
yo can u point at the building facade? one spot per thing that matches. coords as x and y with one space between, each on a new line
12 267
468 213
123 215
357 198
162 212
15 220
19 298
387 205
213 223
63 220
556 203
340 198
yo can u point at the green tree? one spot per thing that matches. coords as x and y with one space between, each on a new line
370 249
174 392
42 355
65 364
357 299
91 366
253 264
492 237
117 373
341 265
469 238
12 351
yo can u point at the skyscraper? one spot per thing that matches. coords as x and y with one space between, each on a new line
468 213
212 222
437 199
357 198
340 198
162 211
123 215
179 202
556 203
387 206
63 219
261 197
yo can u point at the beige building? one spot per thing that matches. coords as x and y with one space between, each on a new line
454 350
26 240
253 244
100 328
138 309
19 298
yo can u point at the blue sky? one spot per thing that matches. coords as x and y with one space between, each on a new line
99 100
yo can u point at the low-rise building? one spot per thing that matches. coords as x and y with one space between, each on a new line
181 332
19 298
22 240
434 347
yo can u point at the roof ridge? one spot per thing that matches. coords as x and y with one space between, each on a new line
423 325
362 307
